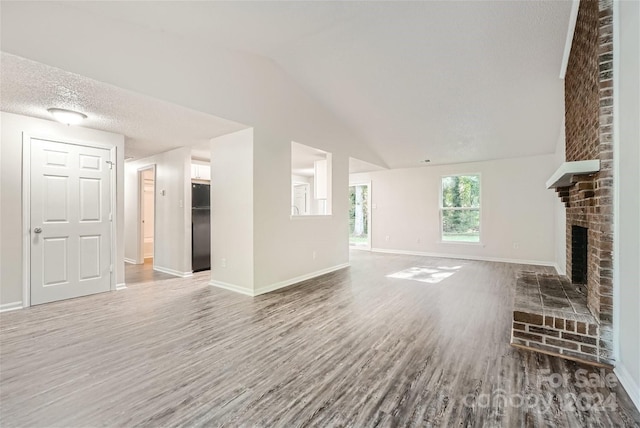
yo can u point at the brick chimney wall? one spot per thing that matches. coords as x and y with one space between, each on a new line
588 128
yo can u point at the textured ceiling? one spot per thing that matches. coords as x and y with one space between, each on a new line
450 81
150 125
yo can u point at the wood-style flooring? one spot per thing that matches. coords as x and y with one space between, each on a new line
351 348
136 274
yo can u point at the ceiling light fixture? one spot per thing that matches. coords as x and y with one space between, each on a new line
68 117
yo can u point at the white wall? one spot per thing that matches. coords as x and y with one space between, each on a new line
516 208
11 227
284 245
627 197
173 210
232 211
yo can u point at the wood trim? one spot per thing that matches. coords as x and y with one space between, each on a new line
6 307
573 19
292 281
173 272
231 287
278 285
628 383
465 257
26 220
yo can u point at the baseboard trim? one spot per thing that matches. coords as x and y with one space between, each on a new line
288 282
231 287
629 385
130 261
13 306
277 285
464 257
121 286
173 272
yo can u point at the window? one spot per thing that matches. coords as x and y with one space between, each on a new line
460 208
310 181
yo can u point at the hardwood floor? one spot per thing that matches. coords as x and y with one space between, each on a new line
136 274
351 348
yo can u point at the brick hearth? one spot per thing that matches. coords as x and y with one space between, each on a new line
551 315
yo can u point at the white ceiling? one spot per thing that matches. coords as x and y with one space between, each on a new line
150 125
303 158
450 81
357 165
442 80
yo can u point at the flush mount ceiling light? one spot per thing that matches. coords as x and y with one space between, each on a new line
68 117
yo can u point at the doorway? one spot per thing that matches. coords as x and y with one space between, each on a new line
147 186
301 196
360 216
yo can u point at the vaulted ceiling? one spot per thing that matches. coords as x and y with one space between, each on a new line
441 80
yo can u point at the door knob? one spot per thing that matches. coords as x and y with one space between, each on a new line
37 230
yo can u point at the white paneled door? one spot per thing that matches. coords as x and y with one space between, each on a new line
70 221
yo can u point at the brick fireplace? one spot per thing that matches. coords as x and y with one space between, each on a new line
589 207
589 135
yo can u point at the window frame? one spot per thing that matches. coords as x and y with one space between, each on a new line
442 208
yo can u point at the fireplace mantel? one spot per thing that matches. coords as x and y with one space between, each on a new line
563 177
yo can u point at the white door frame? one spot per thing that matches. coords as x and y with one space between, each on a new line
307 195
140 239
26 207
370 244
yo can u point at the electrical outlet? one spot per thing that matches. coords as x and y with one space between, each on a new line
387 238
313 255
223 262
418 241
516 245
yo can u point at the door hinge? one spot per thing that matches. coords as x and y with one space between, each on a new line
110 268
110 216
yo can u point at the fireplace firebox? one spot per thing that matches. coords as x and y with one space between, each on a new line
579 254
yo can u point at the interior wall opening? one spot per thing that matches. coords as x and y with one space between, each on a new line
310 181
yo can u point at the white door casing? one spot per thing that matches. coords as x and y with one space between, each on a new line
148 220
300 198
70 207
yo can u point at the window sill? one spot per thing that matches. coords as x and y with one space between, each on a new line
311 217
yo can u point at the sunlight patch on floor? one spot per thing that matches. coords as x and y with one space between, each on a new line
429 275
